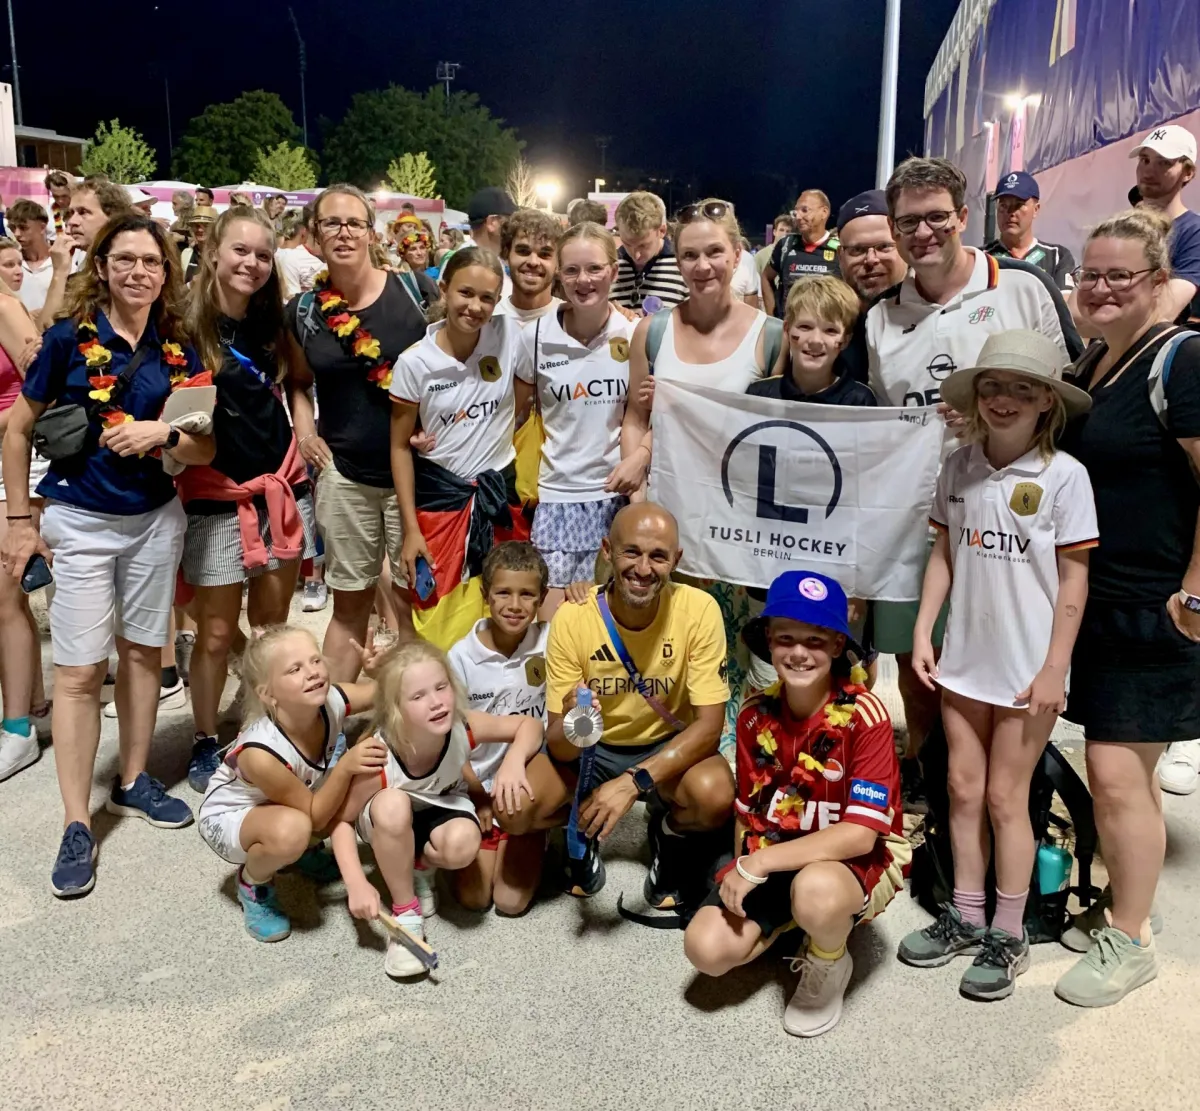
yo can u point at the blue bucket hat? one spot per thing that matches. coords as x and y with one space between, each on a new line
806 596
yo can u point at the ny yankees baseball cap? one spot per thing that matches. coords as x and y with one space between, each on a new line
871 203
806 596
1170 141
1020 185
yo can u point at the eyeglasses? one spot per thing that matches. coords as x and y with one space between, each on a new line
713 210
1116 280
123 264
574 273
331 226
1019 390
883 250
934 221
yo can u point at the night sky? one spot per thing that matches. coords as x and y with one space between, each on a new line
785 94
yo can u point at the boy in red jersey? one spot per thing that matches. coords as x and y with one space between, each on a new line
819 827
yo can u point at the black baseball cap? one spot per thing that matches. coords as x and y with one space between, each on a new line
491 200
871 203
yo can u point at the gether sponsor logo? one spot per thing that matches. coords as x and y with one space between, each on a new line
609 389
873 794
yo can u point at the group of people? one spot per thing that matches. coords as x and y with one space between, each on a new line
475 455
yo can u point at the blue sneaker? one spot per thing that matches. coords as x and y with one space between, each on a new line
148 799
317 864
264 917
74 872
205 760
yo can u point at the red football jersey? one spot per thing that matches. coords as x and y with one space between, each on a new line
794 777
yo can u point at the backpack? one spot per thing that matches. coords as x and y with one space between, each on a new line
931 878
772 339
308 320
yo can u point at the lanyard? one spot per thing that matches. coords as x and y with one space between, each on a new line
250 368
635 676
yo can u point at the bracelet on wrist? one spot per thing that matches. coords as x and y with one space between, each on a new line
749 877
304 440
20 517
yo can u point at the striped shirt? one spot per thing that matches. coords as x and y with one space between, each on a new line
659 278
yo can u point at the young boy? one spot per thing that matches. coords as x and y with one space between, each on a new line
502 663
648 277
819 320
819 827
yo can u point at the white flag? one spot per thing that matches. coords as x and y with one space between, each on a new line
762 486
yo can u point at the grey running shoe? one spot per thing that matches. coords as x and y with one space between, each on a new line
993 974
942 941
1078 937
1112 968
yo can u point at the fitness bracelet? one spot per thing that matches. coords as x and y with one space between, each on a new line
642 780
172 440
1189 601
749 877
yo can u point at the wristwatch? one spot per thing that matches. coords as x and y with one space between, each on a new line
172 440
642 780
1189 601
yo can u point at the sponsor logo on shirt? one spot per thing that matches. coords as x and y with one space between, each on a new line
953 499
833 770
984 312
437 387
609 389
604 654
939 368
1004 545
477 411
874 795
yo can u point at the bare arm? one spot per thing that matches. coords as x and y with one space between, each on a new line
404 422
768 289
299 386
60 255
525 397
939 574
840 841
22 540
1174 297
687 748
629 476
1047 693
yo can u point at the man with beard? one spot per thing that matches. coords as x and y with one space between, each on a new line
527 246
659 743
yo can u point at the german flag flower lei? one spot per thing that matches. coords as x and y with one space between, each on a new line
356 340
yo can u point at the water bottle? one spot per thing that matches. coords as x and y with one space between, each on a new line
583 727
1053 868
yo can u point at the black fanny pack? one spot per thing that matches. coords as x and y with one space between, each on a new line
61 432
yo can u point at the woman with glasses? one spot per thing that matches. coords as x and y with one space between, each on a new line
1135 671
582 481
412 243
713 339
112 527
344 336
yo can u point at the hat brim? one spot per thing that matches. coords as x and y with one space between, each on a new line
959 389
754 637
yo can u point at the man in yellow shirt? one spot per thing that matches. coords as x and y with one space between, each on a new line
675 639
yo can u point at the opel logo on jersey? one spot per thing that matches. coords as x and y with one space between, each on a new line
489 368
619 349
766 505
941 367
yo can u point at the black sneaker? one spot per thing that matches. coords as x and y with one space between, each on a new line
993 974
663 886
585 877
912 786
205 760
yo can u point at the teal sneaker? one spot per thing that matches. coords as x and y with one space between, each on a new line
264 917
317 864
1112 968
942 941
993 974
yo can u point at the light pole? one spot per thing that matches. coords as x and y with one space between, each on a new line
12 40
303 71
447 72
886 157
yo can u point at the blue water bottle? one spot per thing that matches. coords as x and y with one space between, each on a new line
1053 868
582 726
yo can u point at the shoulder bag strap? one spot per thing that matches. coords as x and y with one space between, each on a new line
95 408
635 676
654 335
772 343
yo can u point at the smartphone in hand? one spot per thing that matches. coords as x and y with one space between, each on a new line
425 584
36 574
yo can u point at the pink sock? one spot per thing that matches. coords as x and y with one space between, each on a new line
413 907
969 905
1010 912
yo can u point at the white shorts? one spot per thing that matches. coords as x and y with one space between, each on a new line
222 832
113 576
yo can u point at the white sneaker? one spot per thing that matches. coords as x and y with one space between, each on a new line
1179 767
398 962
17 752
425 887
816 1006
315 596
169 698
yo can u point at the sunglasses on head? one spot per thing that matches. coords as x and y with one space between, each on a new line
710 210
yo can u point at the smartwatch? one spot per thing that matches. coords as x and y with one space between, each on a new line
172 440
642 780
1189 601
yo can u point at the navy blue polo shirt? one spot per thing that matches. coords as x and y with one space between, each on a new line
98 479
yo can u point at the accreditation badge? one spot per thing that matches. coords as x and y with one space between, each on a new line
1026 497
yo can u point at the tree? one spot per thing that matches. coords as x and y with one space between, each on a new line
120 152
469 147
520 185
221 145
413 174
285 167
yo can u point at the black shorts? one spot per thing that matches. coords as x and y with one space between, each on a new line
427 818
615 760
769 905
1134 676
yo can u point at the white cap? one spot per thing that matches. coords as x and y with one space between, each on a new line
1169 141
139 196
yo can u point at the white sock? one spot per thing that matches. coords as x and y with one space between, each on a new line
128 786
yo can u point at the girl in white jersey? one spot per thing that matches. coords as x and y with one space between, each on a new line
416 807
287 774
573 364
1015 520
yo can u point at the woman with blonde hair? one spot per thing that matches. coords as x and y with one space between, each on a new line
250 512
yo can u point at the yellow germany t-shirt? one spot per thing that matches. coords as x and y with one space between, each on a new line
681 655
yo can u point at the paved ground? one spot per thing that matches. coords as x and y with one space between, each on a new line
148 994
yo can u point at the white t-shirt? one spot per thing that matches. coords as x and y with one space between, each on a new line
36 283
524 316
297 267
499 684
581 392
1006 529
746 279
914 345
468 407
